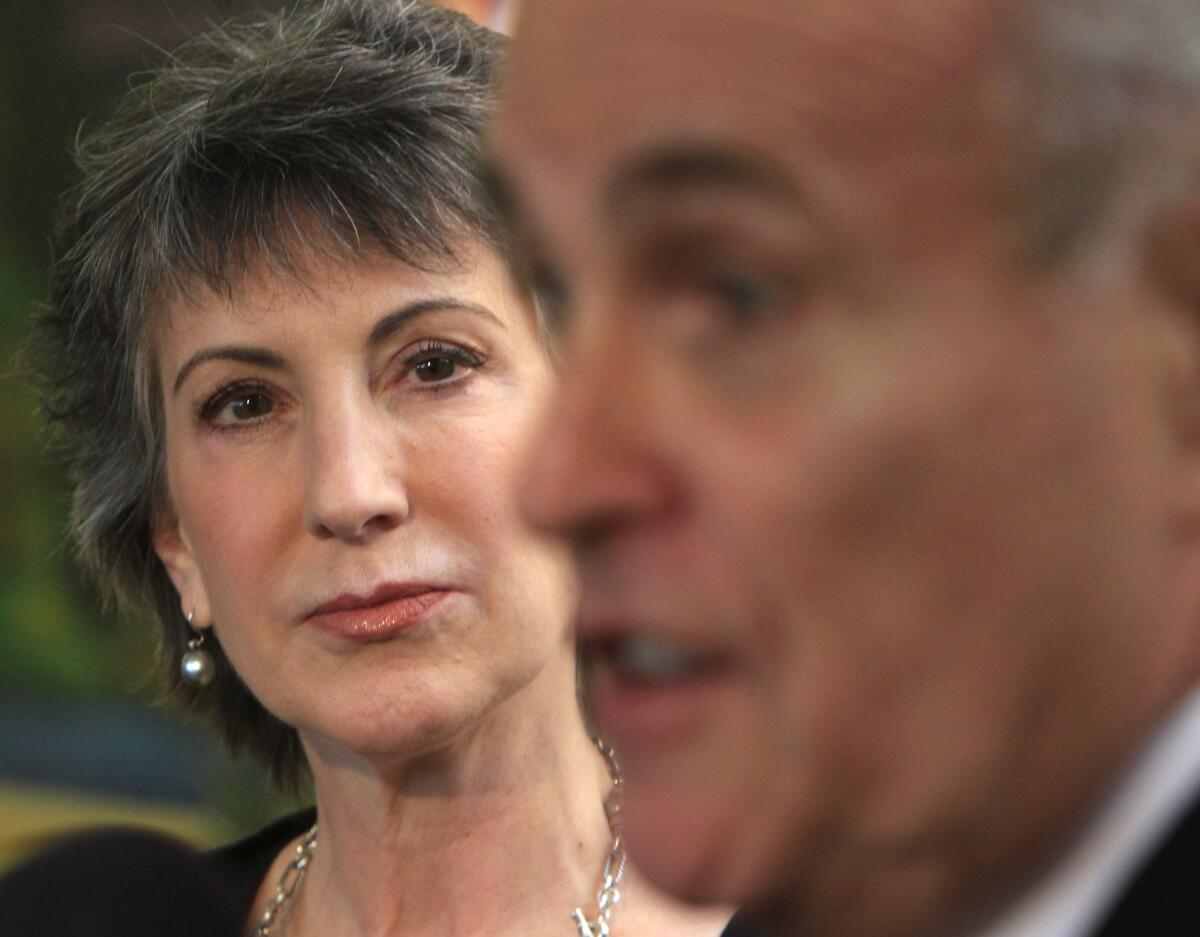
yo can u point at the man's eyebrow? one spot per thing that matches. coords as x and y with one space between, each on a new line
674 170
264 357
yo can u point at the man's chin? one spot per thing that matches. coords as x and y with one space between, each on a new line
695 848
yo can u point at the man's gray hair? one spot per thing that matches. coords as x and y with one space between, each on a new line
1110 94
343 127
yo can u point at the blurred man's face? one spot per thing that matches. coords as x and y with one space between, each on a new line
868 513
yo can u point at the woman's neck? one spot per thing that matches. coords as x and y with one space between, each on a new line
503 831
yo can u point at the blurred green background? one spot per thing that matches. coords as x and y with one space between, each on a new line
83 736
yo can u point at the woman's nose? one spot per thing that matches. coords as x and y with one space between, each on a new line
356 486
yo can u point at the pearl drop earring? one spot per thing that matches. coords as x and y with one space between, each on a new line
197 666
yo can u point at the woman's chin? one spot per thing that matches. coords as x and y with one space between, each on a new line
395 703
385 732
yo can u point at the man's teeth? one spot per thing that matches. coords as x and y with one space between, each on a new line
641 658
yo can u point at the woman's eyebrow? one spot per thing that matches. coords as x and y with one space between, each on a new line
243 353
379 332
394 320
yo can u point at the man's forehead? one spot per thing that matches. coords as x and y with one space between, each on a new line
592 80
875 92
682 49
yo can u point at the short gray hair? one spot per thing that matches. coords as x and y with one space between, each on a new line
342 127
1109 92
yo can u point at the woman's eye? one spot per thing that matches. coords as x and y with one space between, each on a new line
437 368
434 363
250 406
237 407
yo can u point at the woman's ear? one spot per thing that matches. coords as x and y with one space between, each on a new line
171 545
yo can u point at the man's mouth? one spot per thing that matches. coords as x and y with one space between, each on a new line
640 659
650 692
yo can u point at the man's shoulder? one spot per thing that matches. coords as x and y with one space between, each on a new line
1163 898
742 926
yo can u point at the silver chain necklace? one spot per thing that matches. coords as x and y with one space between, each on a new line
609 895
289 881
607 898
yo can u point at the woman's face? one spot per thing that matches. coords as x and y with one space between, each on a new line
340 460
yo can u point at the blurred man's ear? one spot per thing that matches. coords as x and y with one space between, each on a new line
1174 259
1174 267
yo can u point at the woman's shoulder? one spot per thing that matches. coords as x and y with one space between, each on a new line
126 882
262 846
117 883
242 864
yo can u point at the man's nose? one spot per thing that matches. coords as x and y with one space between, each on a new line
595 463
356 484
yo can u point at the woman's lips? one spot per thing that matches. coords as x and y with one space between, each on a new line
377 617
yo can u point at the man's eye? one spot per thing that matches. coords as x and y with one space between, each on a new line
746 297
550 297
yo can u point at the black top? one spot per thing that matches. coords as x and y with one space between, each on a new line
242 865
132 883
135 883
117 883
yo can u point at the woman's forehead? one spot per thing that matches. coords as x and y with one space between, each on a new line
258 287
303 312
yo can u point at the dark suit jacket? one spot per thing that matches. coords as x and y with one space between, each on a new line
1164 898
